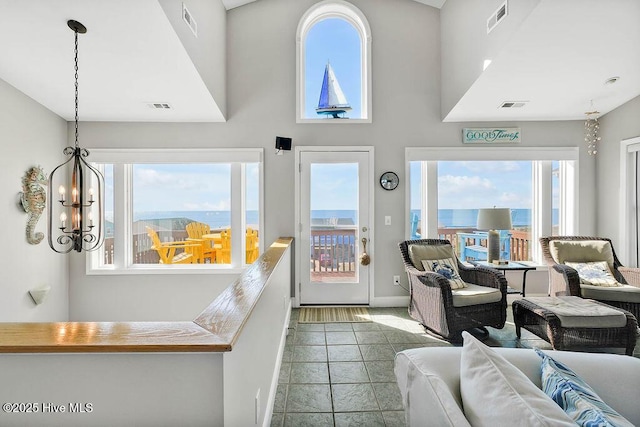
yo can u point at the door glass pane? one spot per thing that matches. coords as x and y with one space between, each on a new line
464 187
334 222
168 197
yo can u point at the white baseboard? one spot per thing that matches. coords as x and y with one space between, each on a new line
402 301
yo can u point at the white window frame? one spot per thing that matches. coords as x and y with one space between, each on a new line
627 225
541 180
123 161
348 12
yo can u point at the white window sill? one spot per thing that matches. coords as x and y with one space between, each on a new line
334 121
164 269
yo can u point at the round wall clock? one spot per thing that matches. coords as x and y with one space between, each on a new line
389 180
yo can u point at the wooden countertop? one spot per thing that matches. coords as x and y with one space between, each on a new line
216 329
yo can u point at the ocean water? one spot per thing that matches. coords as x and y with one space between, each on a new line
451 218
215 219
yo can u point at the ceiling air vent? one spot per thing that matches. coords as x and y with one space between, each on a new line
188 18
497 17
513 104
159 106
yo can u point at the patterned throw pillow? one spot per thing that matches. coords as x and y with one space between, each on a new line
575 397
594 273
447 267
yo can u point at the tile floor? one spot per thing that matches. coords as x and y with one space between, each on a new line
341 374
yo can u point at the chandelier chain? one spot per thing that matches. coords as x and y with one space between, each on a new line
76 84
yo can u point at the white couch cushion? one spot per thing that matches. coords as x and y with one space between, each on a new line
429 389
624 293
419 252
581 251
475 294
496 393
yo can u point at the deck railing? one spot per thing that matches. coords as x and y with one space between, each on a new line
142 252
520 244
333 249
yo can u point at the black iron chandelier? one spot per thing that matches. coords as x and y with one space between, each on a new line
81 212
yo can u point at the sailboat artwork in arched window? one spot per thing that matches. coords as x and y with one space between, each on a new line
332 100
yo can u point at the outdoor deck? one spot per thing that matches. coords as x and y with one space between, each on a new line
333 252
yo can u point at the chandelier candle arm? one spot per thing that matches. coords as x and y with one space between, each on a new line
80 235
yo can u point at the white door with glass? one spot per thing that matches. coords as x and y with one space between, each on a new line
334 203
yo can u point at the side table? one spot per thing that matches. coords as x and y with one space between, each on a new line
512 266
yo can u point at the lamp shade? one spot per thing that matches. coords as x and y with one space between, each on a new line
494 219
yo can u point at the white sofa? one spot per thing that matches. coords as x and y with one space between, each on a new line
429 381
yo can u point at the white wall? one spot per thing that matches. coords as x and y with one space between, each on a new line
31 135
619 124
466 44
208 49
124 389
261 105
128 298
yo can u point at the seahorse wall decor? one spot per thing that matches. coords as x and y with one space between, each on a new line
34 201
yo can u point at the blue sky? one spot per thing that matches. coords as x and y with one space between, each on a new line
478 184
334 186
338 42
184 187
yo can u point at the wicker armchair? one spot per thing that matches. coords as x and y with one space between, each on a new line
564 280
432 299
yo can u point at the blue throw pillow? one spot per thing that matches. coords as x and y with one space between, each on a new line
575 397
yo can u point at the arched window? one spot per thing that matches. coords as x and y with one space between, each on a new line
333 36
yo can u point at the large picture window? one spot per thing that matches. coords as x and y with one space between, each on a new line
168 210
448 190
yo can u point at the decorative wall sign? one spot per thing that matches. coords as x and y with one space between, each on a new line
491 135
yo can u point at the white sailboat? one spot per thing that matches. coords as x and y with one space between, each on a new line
332 100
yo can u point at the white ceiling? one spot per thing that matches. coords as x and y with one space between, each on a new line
131 56
230 4
559 60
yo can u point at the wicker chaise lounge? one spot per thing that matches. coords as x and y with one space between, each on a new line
564 280
446 311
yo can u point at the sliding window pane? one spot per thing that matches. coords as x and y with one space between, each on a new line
555 194
107 247
252 211
415 183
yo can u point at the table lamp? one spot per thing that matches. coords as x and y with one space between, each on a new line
492 220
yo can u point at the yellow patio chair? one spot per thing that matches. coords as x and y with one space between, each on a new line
167 250
253 248
195 231
223 254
